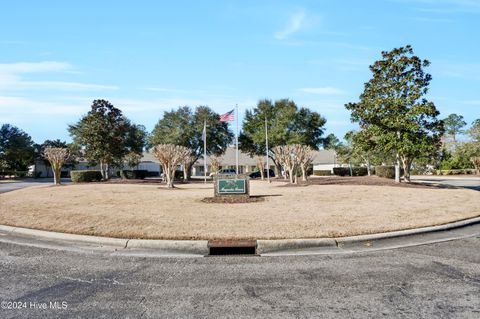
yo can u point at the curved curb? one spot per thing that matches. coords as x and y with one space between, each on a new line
200 247
268 246
43 234
408 232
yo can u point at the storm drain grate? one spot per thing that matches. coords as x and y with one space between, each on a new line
232 247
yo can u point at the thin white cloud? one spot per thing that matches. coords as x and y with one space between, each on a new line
20 107
326 90
31 67
12 77
54 85
296 22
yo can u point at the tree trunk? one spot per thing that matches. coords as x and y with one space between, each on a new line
476 163
291 174
407 163
367 163
102 171
397 169
170 175
56 174
304 175
185 173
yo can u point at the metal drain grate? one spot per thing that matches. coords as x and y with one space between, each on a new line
232 247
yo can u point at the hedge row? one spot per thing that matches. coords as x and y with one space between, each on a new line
14 173
455 172
322 172
134 174
387 171
85 176
345 171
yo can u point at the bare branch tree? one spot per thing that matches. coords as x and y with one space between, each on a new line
215 163
304 157
286 155
57 156
260 164
187 162
170 156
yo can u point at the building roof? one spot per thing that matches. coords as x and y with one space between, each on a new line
228 159
324 157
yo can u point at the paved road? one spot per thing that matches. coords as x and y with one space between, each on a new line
439 280
470 182
11 186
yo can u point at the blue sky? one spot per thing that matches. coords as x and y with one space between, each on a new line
150 56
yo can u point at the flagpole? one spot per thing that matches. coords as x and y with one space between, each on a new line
266 149
205 151
236 153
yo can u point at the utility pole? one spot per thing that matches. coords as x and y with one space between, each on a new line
266 149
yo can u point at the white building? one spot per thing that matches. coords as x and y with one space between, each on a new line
322 160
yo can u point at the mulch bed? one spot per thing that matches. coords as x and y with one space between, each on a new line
358 180
234 200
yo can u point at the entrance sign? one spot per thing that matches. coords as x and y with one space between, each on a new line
232 186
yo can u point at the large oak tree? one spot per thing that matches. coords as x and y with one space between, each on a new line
287 124
184 127
106 136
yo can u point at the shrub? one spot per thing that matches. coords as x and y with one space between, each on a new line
455 172
322 172
85 176
153 174
135 174
345 171
359 171
178 175
385 171
341 171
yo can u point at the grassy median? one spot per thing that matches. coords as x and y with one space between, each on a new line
152 211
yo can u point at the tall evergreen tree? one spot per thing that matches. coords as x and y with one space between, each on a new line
16 149
106 136
287 124
393 106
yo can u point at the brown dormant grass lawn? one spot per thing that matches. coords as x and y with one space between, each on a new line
151 211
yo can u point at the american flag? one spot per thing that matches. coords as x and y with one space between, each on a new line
227 117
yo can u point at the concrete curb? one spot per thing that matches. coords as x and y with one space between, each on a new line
200 247
268 246
101 241
407 232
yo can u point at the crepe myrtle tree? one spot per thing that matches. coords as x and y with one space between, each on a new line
287 157
215 163
57 156
170 156
304 156
260 160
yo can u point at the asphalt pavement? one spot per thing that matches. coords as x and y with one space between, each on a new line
440 280
470 182
28 182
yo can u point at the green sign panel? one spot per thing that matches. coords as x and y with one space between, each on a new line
232 186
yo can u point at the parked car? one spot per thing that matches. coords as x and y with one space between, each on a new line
257 174
224 171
